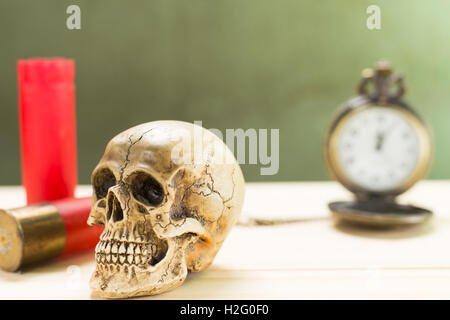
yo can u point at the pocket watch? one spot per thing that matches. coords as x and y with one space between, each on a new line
378 147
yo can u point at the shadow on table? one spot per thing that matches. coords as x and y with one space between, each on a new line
57 265
394 232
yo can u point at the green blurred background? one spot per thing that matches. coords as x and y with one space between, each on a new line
283 64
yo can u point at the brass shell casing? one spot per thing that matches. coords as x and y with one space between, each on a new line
30 234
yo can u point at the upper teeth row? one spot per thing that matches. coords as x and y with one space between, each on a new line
123 248
123 235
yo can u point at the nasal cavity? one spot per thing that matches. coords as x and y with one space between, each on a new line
114 208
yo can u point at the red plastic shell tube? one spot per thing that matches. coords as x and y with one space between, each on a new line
47 128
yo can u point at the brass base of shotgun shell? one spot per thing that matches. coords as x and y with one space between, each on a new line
30 234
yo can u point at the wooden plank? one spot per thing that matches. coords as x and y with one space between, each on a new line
307 260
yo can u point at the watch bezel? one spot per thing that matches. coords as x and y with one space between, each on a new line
360 104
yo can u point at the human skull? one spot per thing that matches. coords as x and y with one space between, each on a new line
167 193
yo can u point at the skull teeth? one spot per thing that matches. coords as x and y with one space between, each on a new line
125 249
108 247
130 259
122 252
102 258
130 249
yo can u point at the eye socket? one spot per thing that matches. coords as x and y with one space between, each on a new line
102 181
146 189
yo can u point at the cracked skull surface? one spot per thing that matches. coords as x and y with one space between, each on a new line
167 193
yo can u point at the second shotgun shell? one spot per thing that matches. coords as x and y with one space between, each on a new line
47 128
46 230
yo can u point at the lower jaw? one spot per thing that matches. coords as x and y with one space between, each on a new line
170 271
137 282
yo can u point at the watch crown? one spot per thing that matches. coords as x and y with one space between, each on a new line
384 68
382 80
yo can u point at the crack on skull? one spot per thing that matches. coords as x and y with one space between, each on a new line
105 282
179 219
127 205
185 239
127 159
122 169
164 227
212 190
166 272
216 191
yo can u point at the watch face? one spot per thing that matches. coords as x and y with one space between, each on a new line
378 148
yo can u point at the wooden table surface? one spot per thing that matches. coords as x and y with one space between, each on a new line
309 259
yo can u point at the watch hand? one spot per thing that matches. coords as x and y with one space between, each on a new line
380 140
381 136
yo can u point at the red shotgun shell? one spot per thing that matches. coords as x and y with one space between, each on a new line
47 128
45 230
